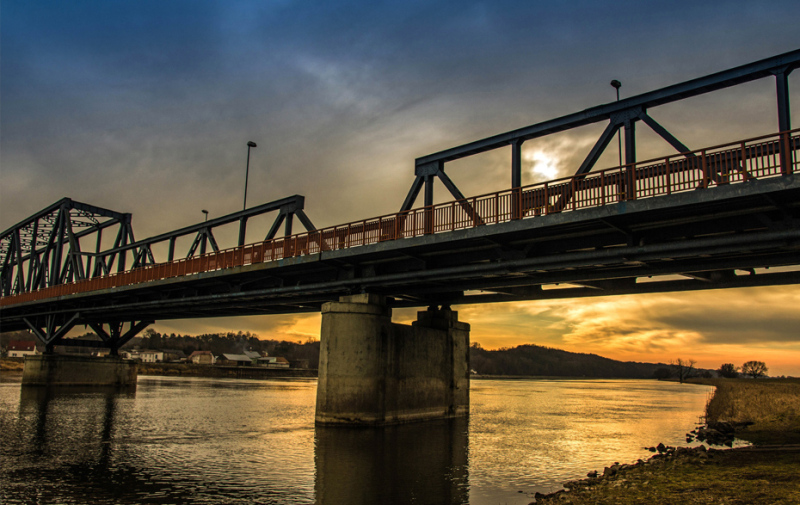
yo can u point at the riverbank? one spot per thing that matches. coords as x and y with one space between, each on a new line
764 412
223 372
12 371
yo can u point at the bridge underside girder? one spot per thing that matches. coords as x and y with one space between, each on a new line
709 239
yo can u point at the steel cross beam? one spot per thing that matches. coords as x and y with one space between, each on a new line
113 338
620 114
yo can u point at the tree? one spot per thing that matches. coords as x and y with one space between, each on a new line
755 369
683 368
661 373
728 370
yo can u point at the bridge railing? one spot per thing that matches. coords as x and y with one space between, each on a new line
738 162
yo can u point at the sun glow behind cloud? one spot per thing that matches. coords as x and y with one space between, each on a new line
543 166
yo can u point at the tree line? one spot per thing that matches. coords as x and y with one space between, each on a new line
754 369
228 343
535 360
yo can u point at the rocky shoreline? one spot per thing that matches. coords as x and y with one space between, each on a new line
714 433
615 474
693 474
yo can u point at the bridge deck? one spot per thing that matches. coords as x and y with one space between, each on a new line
704 214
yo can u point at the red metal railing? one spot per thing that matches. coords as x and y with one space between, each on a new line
760 157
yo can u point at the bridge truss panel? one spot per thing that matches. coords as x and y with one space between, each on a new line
621 115
45 249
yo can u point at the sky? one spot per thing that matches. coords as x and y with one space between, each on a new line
146 107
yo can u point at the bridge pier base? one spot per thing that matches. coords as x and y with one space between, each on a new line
375 372
61 370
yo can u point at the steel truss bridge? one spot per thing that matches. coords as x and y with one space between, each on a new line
706 218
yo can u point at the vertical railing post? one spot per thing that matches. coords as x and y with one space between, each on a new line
573 187
786 154
546 200
667 178
516 177
743 157
428 219
603 187
704 165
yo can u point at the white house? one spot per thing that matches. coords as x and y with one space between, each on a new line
149 356
20 349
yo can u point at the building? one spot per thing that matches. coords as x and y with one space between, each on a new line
149 356
235 360
173 355
272 362
130 354
202 358
20 349
162 356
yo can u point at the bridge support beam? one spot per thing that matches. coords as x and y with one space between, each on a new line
375 372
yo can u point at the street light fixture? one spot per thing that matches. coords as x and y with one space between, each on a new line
250 144
616 84
204 211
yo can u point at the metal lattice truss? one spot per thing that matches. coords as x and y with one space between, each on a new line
45 249
621 115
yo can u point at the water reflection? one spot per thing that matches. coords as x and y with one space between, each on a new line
213 441
35 404
66 449
424 463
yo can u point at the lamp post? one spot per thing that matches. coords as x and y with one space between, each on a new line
204 211
616 84
250 144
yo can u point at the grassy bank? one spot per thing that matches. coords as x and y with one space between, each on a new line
773 406
764 473
12 365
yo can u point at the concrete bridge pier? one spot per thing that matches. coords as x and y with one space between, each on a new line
52 369
66 370
374 372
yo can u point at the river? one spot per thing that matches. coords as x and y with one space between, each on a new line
221 441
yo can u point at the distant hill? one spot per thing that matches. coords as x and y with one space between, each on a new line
532 359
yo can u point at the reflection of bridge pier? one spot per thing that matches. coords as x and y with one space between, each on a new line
376 372
96 430
417 463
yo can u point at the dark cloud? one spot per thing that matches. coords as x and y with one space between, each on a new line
717 323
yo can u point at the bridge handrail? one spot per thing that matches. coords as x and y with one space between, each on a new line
734 162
